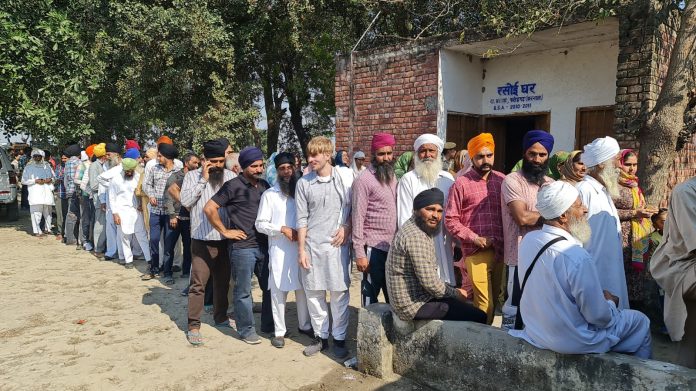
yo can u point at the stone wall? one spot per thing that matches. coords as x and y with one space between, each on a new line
447 355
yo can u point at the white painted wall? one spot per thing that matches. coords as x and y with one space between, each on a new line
584 76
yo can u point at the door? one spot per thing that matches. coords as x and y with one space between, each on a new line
592 123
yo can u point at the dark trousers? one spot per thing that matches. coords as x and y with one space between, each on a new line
61 212
450 309
209 260
72 219
374 280
182 229
157 224
86 219
24 204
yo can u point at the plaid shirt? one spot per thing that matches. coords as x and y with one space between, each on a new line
374 213
71 167
60 171
474 210
154 184
411 269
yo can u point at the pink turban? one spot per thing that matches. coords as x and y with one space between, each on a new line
381 140
132 144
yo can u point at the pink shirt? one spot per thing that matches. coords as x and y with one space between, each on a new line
516 188
374 213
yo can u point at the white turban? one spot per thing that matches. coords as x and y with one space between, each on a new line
555 199
359 154
599 151
35 152
428 138
83 156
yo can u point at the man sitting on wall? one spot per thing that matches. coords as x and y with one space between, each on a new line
415 288
562 302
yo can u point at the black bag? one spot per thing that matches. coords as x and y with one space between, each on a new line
519 323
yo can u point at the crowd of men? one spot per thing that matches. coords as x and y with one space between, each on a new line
433 241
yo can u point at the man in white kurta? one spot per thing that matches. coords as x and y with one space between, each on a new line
38 177
605 245
124 208
113 168
562 304
428 154
278 220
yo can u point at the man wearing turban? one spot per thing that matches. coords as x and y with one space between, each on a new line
124 209
563 305
427 174
38 177
518 197
86 206
112 168
95 170
72 194
416 289
374 217
596 191
474 217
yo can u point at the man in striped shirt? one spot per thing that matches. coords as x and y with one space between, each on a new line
374 217
208 248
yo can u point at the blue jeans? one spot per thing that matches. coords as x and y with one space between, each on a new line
157 224
183 228
244 263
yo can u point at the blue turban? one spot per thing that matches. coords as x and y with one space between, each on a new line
249 155
132 153
538 136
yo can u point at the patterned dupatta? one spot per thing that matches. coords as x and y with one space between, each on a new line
640 227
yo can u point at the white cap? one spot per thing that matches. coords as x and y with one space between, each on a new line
555 199
37 151
428 138
599 151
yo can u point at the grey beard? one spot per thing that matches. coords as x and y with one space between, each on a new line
384 172
580 229
609 174
113 162
216 177
429 169
420 222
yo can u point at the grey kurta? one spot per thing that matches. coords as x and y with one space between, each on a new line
323 204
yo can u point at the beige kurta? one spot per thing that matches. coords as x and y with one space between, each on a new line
674 263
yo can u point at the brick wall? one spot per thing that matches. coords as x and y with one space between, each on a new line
391 90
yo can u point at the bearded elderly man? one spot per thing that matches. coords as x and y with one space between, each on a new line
474 217
563 305
374 217
427 174
597 189
518 200
415 288
38 177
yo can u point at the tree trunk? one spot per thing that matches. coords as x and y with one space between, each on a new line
274 113
296 119
658 136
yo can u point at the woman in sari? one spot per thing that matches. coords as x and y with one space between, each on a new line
573 170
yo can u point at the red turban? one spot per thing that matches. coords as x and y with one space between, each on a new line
164 140
381 140
130 144
476 144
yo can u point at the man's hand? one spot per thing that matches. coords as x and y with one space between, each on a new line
153 201
103 207
363 264
289 233
340 237
205 172
462 295
173 222
609 296
480 242
117 219
304 260
234 234
643 213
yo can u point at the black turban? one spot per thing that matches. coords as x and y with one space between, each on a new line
215 148
72 150
429 197
284 158
167 150
113 148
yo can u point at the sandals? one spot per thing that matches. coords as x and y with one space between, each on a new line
194 337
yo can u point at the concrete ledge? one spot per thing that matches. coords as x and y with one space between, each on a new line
449 355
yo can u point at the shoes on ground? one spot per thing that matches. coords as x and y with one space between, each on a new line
147 277
278 342
252 339
176 269
317 345
339 349
129 265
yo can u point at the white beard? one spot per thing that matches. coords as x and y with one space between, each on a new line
580 229
610 176
428 170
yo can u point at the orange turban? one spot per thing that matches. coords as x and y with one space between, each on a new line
476 144
164 140
90 150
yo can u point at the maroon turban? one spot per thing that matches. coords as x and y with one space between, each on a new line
380 140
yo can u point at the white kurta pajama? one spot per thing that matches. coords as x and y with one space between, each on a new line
113 242
410 185
605 243
276 210
563 305
124 203
40 196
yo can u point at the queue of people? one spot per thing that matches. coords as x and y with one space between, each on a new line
565 247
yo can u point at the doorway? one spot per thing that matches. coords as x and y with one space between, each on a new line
508 132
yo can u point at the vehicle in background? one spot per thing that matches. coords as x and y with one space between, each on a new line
9 181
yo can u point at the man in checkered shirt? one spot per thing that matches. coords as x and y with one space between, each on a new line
415 288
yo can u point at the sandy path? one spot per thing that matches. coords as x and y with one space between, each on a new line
132 336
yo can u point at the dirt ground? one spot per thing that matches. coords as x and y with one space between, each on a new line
72 322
